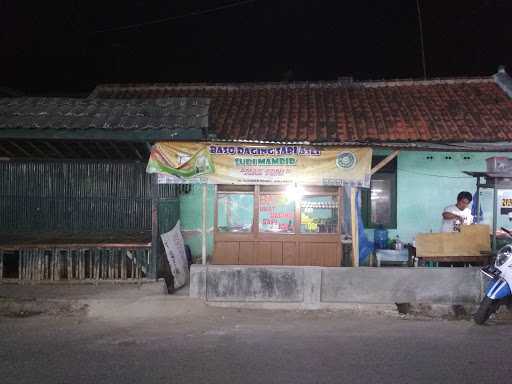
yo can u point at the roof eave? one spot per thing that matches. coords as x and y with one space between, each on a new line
103 135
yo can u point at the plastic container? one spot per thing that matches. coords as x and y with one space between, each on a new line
380 238
398 243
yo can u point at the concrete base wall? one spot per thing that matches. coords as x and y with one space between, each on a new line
316 286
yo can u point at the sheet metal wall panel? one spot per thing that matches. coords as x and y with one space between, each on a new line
77 195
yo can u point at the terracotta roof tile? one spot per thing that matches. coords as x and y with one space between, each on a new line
452 110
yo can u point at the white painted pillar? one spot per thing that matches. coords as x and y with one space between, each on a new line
204 223
354 225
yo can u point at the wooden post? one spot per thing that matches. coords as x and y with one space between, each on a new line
69 264
40 264
124 255
46 265
204 223
383 163
1 264
20 265
30 274
354 225
97 259
155 236
53 263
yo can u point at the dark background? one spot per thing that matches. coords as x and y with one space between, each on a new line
67 47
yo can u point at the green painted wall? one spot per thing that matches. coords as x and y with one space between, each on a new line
425 186
191 219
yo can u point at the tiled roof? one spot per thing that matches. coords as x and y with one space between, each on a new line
39 114
455 110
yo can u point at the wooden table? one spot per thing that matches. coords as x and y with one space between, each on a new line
469 260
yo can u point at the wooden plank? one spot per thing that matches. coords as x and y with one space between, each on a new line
139 259
226 253
19 148
39 258
97 259
384 162
331 254
132 265
124 256
471 241
281 237
21 263
69 264
52 264
304 254
30 274
276 253
263 254
117 263
25 264
290 253
81 264
320 254
7 152
46 265
31 263
56 264
456 259
135 150
54 149
15 246
247 253
90 262
108 264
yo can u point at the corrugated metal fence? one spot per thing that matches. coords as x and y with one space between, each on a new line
77 195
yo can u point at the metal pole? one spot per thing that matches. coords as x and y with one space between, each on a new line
155 240
478 218
204 222
494 216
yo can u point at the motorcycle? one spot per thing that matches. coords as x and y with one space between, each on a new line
498 291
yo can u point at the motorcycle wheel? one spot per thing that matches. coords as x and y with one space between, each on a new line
486 308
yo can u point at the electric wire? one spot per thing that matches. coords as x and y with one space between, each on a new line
172 18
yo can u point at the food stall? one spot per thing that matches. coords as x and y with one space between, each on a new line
472 243
274 204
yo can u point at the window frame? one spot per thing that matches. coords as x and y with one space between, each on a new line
390 171
258 190
233 191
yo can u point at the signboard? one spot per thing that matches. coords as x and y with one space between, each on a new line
277 213
176 255
505 201
232 163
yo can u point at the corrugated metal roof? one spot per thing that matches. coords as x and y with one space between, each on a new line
449 110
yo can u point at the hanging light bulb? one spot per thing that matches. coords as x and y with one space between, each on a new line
294 192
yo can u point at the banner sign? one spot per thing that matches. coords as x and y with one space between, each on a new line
505 201
232 163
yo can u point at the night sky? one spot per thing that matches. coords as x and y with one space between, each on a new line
67 47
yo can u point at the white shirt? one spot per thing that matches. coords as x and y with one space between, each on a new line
454 225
